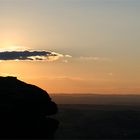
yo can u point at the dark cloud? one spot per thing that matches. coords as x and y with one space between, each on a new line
29 55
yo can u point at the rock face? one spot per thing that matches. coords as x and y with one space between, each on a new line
23 110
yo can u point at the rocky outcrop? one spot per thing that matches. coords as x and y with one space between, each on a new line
23 110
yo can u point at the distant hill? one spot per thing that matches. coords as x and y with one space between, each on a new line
97 99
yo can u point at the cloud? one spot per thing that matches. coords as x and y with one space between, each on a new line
110 74
72 78
68 56
32 55
94 58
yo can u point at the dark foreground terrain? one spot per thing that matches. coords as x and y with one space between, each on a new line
25 111
98 121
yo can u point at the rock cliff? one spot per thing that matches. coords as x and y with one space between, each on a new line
23 110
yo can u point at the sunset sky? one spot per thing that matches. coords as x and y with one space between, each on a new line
73 46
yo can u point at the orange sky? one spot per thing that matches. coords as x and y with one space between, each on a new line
71 77
97 43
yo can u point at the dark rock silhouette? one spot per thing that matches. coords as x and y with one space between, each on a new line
23 110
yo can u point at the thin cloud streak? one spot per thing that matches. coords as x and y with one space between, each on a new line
94 58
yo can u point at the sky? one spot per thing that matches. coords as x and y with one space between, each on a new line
72 46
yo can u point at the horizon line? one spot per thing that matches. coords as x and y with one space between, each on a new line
98 94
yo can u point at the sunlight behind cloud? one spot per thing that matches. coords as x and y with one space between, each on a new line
14 48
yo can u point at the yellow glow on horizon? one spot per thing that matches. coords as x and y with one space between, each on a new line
5 43
12 38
